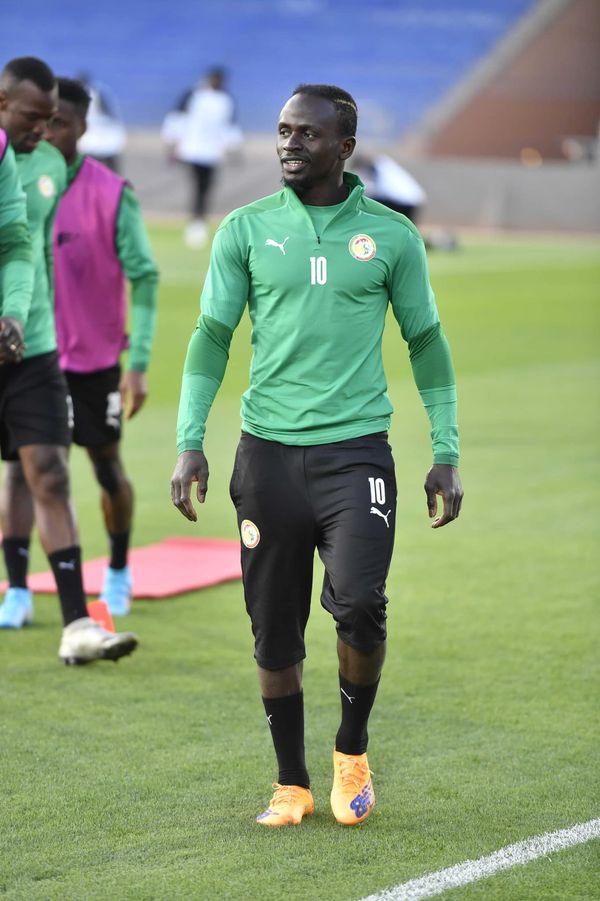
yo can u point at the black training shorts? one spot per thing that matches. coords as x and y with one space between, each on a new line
97 406
33 405
338 498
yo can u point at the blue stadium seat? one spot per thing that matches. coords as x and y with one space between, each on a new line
396 56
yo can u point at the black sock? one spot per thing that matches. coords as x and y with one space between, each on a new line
119 547
285 717
16 560
66 566
357 700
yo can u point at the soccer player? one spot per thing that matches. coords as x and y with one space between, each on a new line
317 264
100 242
34 426
16 269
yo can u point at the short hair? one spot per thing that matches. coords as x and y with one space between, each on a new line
345 104
74 92
219 71
29 68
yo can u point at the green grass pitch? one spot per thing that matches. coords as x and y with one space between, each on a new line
141 780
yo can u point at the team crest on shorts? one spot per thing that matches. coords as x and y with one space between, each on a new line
250 534
362 247
46 186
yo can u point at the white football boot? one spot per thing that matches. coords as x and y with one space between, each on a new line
85 640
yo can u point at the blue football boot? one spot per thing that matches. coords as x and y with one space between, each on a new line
16 610
116 590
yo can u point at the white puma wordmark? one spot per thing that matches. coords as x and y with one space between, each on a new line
271 243
383 515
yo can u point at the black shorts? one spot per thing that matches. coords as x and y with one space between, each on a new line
97 407
33 405
339 499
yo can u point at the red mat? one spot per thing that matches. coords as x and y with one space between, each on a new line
172 566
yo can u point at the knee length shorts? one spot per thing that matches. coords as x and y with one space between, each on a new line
338 499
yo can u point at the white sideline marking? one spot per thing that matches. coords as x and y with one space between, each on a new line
504 859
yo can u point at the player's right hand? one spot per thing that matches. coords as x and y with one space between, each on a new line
444 480
191 466
12 345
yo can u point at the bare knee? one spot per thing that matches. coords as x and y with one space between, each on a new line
280 683
14 477
109 472
360 667
48 475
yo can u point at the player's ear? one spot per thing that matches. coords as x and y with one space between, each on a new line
3 99
348 145
82 128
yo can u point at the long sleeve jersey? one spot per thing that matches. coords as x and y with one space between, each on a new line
43 174
16 269
318 282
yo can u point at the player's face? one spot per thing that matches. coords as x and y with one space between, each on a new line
309 144
65 129
25 111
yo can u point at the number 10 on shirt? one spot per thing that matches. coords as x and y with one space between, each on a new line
318 270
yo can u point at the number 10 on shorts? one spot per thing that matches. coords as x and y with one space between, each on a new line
377 487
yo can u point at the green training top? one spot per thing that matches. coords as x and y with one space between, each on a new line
16 270
136 258
317 295
43 174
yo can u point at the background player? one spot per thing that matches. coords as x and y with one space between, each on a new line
99 242
317 264
16 270
34 427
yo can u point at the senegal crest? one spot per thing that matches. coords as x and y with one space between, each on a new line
250 534
362 247
46 186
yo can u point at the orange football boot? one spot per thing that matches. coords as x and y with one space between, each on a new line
352 795
287 806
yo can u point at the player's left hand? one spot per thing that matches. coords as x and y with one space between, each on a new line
444 480
134 391
12 345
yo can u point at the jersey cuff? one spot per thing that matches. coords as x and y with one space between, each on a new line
440 404
448 459
197 395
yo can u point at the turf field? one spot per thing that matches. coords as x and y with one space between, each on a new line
140 781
